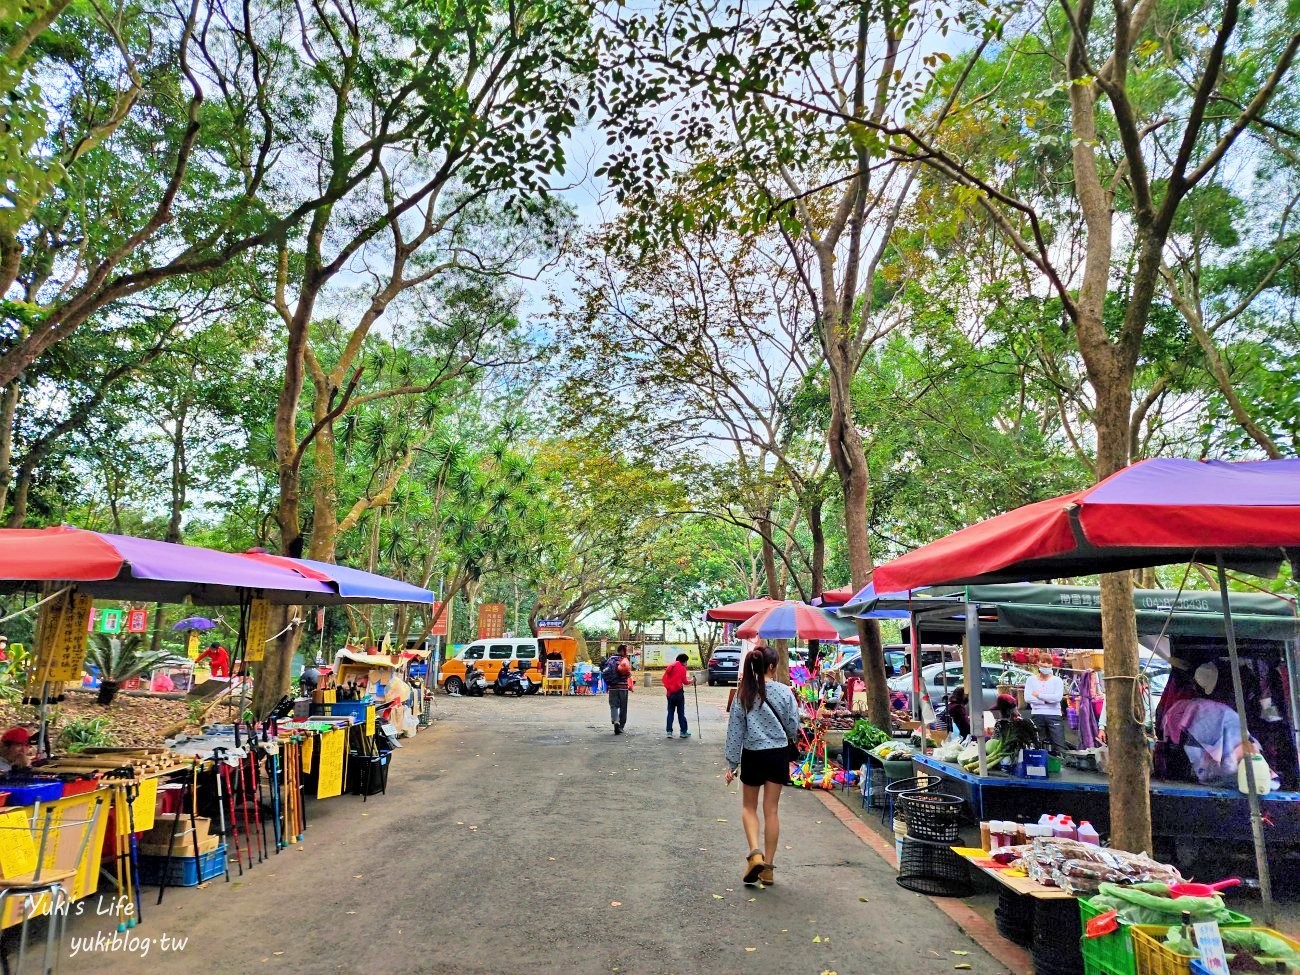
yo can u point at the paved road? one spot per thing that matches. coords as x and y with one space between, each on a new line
523 836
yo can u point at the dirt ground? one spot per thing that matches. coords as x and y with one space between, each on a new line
522 836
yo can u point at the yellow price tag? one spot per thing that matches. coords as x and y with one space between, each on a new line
370 720
17 847
259 620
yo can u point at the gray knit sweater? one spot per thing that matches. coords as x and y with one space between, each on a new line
765 726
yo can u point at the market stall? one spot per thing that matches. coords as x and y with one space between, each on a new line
1156 512
1188 628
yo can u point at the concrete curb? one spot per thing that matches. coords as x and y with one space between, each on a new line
976 927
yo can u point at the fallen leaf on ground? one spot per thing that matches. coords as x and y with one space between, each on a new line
963 965
829 972
752 899
717 897
751 949
956 952
817 939
723 821
615 903
277 952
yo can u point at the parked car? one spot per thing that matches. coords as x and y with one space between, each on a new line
939 679
492 654
896 655
724 664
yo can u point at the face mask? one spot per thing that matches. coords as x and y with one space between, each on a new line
1045 671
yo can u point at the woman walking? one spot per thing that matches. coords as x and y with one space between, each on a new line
764 721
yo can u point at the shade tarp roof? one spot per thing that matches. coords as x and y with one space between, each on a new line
352 585
1155 512
121 567
1029 614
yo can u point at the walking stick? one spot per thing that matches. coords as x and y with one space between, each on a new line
699 727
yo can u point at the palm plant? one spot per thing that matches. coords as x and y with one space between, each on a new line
118 660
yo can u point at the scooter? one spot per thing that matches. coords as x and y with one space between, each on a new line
530 686
508 682
475 683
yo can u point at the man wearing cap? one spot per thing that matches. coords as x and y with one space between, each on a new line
15 750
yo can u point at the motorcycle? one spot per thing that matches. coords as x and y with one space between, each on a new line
508 682
475 682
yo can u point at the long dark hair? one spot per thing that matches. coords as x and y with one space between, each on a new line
753 676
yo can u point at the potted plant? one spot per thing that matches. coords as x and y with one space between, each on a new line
118 660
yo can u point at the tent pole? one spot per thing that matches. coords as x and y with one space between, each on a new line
1252 797
974 694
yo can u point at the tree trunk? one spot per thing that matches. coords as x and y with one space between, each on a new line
21 491
180 476
818 547
850 460
1130 776
8 406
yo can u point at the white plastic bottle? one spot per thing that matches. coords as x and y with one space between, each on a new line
1088 834
1064 829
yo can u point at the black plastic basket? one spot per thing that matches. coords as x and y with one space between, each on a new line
1057 931
1014 916
933 869
931 816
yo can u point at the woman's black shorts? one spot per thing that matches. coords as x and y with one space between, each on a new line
761 765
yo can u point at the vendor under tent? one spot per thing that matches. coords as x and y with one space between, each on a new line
1156 512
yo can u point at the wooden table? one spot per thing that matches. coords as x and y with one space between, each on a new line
1015 881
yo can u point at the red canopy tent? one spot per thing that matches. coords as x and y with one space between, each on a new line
741 611
1155 512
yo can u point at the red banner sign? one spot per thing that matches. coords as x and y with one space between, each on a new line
491 620
442 620
137 621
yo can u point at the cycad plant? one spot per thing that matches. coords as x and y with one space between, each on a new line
118 660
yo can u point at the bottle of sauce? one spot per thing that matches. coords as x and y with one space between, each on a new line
985 836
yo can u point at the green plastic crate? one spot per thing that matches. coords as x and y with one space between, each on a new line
1112 954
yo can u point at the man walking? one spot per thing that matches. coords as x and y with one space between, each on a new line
675 681
618 676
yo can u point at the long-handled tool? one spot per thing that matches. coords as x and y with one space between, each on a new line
273 762
224 794
699 727
251 797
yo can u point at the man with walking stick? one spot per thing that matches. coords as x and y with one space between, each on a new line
675 681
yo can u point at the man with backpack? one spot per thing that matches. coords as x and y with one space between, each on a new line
618 678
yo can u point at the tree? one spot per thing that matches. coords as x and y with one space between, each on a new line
491 92
780 137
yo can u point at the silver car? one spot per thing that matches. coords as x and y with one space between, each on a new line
939 680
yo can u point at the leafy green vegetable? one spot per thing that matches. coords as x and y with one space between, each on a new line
864 734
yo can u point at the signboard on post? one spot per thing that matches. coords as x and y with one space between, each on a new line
259 619
491 620
551 627
110 621
137 621
441 620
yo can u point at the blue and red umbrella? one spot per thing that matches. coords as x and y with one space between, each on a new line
790 620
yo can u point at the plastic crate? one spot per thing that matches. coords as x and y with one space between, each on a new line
1111 954
1149 948
181 872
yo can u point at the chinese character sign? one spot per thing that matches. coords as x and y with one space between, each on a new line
259 619
441 620
491 620
137 621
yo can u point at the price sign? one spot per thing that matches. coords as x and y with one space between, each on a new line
259 619
329 779
137 621
370 720
192 645
1210 941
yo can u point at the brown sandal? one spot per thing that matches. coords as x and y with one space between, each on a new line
754 867
768 876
